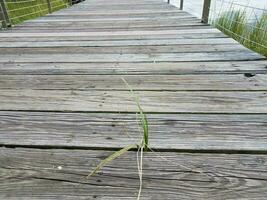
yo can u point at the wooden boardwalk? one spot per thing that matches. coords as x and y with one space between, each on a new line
64 107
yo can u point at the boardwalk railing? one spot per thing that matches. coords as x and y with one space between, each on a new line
13 11
243 22
4 19
10 9
205 12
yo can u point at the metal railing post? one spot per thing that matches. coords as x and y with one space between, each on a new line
181 4
4 14
49 6
70 2
206 11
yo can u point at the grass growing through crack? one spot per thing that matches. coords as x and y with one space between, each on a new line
142 146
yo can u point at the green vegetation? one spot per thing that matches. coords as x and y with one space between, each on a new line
19 11
141 146
259 36
236 25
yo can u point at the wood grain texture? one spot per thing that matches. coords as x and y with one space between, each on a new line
114 24
207 82
192 132
83 37
121 19
178 68
12 34
110 29
110 26
60 174
119 43
131 49
62 103
133 58
122 101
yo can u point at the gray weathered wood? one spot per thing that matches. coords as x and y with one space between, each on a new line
231 67
60 174
132 58
206 11
108 29
191 132
117 33
196 35
113 43
125 49
101 20
122 101
60 88
109 25
207 82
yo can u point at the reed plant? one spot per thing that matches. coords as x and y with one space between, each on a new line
259 36
235 24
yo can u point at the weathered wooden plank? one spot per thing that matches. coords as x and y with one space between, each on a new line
114 43
121 19
13 34
127 58
103 29
238 67
123 8
145 18
165 176
115 6
71 15
239 82
113 37
119 11
108 23
87 15
122 101
131 49
108 28
172 132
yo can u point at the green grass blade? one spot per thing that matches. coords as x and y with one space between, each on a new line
144 123
142 116
110 158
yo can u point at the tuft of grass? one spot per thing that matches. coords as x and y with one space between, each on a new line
19 11
259 36
143 145
234 23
